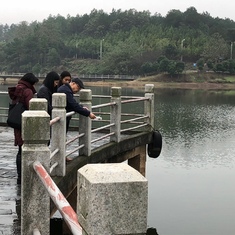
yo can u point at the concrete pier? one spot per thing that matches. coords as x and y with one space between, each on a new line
9 190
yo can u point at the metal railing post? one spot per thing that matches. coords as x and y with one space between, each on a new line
85 123
149 105
35 201
115 114
58 134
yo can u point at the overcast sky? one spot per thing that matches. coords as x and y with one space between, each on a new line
16 11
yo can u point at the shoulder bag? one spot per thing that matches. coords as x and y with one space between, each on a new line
14 115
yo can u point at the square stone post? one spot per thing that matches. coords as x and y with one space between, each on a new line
115 114
38 104
35 201
149 105
112 199
85 123
58 134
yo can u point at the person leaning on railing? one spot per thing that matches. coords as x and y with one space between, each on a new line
71 104
49 86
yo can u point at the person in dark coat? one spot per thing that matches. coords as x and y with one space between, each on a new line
71 104
48 87
23 92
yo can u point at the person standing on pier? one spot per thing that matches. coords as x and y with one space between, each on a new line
23 92
49 86
71 104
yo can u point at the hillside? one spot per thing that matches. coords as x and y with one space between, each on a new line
122 42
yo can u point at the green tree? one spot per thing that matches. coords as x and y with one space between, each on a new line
171 68
231 67
210 64
171 51
163 65
147 68
53 57
174 18
191 17
155 67
200 64
225 64
219 68
215 48
36 68
122 59
179 67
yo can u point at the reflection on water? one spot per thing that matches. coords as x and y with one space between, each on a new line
206 139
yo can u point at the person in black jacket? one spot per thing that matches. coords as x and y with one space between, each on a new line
71 104
48 87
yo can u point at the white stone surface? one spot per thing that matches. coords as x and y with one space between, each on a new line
112 199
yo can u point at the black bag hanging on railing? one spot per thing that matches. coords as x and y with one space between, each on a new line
14 115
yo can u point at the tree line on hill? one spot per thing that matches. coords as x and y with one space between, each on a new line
121 42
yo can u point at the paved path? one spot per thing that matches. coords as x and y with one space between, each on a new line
9 190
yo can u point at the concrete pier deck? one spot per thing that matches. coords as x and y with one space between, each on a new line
9 190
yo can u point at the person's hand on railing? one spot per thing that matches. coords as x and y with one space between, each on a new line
92 115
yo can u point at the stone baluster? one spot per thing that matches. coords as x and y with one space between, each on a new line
149 105
85 123
58 134
115 114
35 201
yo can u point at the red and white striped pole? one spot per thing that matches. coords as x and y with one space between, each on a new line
58 198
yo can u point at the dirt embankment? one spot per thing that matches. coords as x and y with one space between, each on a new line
181 85
185 81
157 84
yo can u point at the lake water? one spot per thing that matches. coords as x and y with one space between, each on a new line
191 188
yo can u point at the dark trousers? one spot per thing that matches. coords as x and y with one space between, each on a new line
67 123
18 164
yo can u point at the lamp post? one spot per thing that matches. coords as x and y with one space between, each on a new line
182 46
231 51
101 48
76 50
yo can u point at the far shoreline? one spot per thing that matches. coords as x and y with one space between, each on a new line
159 85
162 85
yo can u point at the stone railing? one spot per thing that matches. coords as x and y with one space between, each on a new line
119 190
